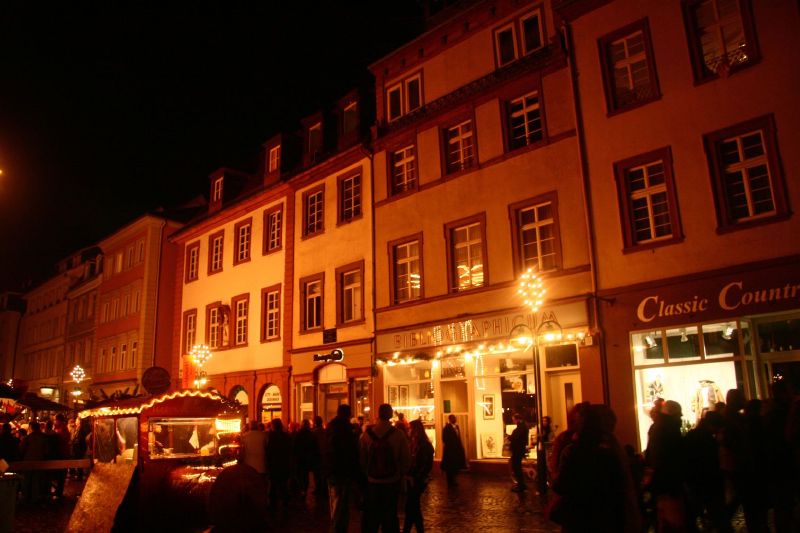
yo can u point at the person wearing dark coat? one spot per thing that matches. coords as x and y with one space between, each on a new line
342 467
666 457
279 463
519 447
453 458
238 500
418 476
306 454
320 483
9 444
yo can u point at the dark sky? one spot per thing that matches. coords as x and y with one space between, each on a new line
110 109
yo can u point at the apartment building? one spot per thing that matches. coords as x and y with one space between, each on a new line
477 180
691 124
133 330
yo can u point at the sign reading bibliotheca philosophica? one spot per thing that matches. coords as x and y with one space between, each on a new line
479 328
763 291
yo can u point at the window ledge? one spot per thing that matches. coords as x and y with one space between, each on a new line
650 245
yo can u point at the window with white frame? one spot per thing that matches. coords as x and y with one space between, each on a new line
134 353
518 38
190 331
467 251
243 233
404 97
350 295
314 206
524 121
648 199
628 67
459 147
404 169
215 251
113 365
123 356
271 314
241 308
350 197
273 232
407 272
274 158
312 306
214 326
537 237
193 262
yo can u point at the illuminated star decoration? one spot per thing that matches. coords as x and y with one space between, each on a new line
200 354
78 374
531 289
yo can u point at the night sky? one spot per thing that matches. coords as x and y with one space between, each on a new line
110 110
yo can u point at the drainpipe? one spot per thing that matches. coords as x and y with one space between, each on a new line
158 288
566 36
374 342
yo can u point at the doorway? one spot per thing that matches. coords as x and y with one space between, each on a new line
331 396
564 391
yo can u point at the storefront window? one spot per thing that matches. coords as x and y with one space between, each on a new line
409 390
504 385
721 340
779 336
181 437
452 367
306 396
683 344
647 348
271 403
362 388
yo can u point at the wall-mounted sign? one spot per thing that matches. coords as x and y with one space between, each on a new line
156 380
272 396
336 354
329 335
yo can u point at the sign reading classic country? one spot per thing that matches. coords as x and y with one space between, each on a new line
740 297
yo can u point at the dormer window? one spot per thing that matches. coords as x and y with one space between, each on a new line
315 139
518 38
274 158
350 118
404 97
216 193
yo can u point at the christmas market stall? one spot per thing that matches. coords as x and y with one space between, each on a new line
162 453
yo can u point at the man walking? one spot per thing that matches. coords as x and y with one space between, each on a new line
453 457
385 456
519 447
342 468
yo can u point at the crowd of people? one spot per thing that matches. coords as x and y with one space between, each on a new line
741 455
357 466
53 438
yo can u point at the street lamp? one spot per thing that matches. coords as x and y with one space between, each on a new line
200 355
531 289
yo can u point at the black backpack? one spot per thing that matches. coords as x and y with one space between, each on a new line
381 463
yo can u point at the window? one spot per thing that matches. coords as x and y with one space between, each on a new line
123 356
101 363
240 306
508 47
647 199
404 169
137 298
129 257
535 234
271 313
113 365
274 158
189 330
126 305
105 315
115 309
243 232
406 261
314 210
118 263
315 140
524 121
141 251
192 261
349 197
459 147
404 97
216 194
214 326
311 290
350 118
350 293
134 352
722 36
273 229
466 252
216 243
629 72
746 174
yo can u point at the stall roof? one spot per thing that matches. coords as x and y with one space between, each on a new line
133 406
37 403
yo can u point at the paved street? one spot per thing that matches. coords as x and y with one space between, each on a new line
480 503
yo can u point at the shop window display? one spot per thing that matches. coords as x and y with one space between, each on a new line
409 390
504 385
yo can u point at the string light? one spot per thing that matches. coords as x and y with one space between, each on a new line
78 374
200 354
531 289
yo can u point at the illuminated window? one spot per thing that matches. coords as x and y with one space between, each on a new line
407 278
189 330
311 289
647 199
628 68
214 326
722 36
467 253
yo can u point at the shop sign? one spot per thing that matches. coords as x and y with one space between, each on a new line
482 328
272 395
156 380
746 294
335 355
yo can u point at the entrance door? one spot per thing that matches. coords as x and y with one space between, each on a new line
563 392
331 396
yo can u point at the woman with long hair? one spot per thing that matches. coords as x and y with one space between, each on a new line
418 475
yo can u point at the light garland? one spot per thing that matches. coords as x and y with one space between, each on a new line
112 411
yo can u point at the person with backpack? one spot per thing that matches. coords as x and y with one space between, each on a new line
385 456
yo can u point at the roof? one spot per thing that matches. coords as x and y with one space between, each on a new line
133 406
37 403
